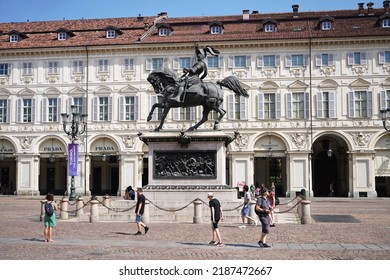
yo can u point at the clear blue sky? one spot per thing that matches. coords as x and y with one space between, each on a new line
42 10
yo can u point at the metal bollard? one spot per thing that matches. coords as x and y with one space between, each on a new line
306 216
145 216
79 206
42 216
94 211
106 201
198 219
64 208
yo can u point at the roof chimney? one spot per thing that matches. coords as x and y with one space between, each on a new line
163 14
295 10
245 14
255 12
386 5
370 9
361 9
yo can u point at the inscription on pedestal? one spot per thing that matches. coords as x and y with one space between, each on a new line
188 164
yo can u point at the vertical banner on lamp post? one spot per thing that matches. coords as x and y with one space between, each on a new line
73 156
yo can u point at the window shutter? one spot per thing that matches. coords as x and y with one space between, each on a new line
332 104
32 110
363 58
165 62
260 106
318 59
351 105
331 59
95 109
192 113
381 58
278 106
288 60
248 61
350 59
260 61
109 108
154 100
383 100
369 104
230 62
231 107
305 60
8 112
19 110
243 108
44 109
59 106
307 105
135 108
289 105
122 110
176 114
149 64
220 62
176 63
277 60
319 105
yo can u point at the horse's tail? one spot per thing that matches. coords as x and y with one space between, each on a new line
233 84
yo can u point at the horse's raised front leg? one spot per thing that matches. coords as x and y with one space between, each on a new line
164 115
205 117
158 105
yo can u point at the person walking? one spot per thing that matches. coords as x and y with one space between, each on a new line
50 220
272 205
246 208
139 211
262 209
216 216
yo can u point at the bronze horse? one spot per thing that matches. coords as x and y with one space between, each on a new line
206 94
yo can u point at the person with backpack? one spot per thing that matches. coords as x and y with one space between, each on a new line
262 209
49 220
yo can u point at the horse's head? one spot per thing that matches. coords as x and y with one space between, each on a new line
161 78
156 82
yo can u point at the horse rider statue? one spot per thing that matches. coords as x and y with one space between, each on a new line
192 77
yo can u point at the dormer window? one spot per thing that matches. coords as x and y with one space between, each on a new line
163 31
13 38
326 23
110 34
216 27
269 25
386 23
61 36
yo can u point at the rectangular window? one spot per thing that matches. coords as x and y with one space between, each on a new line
269 28
103 109
128 64
5 69
388 98
384 57
325 104
360 104
240 61
27 110
357 58
326 25
131 108
386 22
14 38
78 66
53 67
103 65
297 60
61 36
184 114
185 62
79 103
216 29
298 105
3 111
237 107
157 63
27 69
110 34
52 109
269 106
269 60
213 62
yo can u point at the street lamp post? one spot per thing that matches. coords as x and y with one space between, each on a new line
385 117
74 127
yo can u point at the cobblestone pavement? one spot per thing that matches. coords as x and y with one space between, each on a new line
21 236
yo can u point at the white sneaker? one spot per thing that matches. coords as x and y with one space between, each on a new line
255 223
242 226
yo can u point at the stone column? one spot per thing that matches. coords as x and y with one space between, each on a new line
42 216
106 200
79 206
94 211
198 219
64 208
145 216
306 216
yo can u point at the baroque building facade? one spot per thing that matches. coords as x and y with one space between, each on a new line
317 82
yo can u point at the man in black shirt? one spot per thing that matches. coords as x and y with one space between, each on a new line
139 211
216 216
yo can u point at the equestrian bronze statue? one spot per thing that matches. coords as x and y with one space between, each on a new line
189 90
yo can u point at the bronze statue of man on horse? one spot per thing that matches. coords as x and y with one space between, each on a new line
189 90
